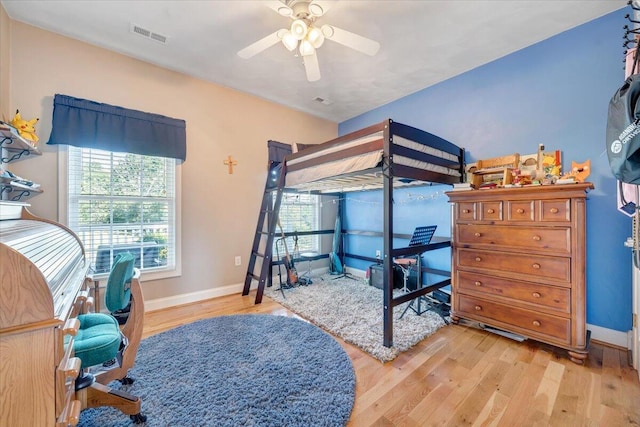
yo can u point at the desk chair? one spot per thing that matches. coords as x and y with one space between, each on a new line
100 340
306 276
406 265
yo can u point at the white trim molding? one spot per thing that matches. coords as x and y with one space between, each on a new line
598 333
609 336
166 302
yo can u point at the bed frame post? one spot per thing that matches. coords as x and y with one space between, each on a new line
387 172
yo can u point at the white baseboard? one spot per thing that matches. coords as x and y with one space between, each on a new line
605 335
160 303
609 336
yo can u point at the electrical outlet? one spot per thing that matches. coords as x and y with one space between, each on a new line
378 254
238 260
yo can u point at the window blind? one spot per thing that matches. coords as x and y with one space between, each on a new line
123 202
299 212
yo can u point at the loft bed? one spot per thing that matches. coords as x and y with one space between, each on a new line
383 156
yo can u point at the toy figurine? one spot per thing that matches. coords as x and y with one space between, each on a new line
26 128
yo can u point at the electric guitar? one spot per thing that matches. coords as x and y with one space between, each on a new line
292 273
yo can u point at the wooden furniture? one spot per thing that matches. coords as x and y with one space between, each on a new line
42 276
12 148
383 156
519 262
497 167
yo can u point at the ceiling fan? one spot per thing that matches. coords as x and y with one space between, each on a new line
306 36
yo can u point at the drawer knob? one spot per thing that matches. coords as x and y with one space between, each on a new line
71 326
73 413
478 259
477 234
536 323
536 295
520 210
553 210
465 211
536 266
478 308
72 368
478 283
537 238
490 211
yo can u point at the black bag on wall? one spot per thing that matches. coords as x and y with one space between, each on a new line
623 130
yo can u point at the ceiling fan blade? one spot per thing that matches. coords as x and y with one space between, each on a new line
352 40
312 67
278 6
325 5
260 45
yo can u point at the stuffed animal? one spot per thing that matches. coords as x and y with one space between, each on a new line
26 128
579 171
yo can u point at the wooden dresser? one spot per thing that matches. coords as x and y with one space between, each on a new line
519 262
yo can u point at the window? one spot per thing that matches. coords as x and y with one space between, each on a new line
122 202
299 212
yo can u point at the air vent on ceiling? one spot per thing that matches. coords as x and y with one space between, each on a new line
322 100
136 29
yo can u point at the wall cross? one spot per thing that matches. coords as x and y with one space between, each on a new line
231 163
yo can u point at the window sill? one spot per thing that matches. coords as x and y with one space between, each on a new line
145 276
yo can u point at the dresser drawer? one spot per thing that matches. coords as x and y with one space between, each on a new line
528 265
556 240
555 210
491 211
546 297
466 211
521 210
539 324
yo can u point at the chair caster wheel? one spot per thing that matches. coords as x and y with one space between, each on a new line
127 381
138 418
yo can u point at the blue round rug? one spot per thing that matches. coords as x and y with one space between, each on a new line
240 370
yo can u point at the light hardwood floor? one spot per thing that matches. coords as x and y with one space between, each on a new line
464 376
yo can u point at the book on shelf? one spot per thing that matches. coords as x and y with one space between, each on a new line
462 186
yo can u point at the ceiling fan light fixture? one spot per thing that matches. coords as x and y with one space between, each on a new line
315 9
327 31
315 37
289 41
299 29
285 11
306 48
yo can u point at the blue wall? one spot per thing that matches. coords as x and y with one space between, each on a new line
555 92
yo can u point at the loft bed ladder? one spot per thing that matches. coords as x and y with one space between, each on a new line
265 231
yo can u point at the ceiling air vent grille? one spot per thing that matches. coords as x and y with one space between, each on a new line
136 29
322 100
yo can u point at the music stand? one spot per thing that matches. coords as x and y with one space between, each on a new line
421 236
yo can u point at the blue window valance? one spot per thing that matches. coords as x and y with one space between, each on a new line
89 124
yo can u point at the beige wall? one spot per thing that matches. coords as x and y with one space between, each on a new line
5 37
219 210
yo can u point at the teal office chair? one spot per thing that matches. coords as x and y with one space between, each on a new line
100 341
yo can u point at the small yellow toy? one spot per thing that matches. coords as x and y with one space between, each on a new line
550 164
26 128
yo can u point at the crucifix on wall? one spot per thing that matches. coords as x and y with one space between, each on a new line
231 163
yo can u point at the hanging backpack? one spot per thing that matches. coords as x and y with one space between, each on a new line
623 130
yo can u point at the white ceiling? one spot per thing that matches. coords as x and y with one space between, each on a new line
422 42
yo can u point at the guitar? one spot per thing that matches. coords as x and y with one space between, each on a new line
292 273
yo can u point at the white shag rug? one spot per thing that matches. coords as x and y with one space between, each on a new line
352 309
